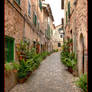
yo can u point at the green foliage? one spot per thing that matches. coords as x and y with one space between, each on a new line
31 64
8 66
30 53
23 46
31 59
55 50
69 59
40 5
15 65
23 68
82 82
44 54
11 66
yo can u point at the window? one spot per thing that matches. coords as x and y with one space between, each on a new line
62 4
18 2
61 36
38 25
66 17
71 32
9 49
59 44
48 20
29 7
34 44
40 5
69 9
34 18
75 2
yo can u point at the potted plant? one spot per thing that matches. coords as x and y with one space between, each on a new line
15 65
69 64
21 77
22 72
82 82
8 69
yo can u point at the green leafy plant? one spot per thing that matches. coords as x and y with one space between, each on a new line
15 65
30 53
82 82
44 54
8 66
22 72
68 59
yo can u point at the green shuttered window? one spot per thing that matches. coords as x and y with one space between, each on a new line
9 49
69 8
40 5
66 17
48 32
29 8
18 1
34 18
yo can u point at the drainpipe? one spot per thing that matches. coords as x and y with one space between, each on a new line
24 28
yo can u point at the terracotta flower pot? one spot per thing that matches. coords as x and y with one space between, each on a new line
70 69
20 57
29 74
22 80
15 71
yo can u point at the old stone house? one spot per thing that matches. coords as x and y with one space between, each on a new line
23 19
75 27
48 25
57 38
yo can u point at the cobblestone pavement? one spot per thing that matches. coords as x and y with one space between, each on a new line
51 76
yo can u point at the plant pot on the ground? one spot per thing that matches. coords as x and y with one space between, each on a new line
22 80
70 69
28 74
20 57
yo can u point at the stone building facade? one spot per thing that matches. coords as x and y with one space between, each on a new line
57 38
75 27
25 19
48 24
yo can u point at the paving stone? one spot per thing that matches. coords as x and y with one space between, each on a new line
51 76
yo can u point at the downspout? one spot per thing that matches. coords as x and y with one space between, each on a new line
24 29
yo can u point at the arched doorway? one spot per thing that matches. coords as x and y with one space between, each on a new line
82 51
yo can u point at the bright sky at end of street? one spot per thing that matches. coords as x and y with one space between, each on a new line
56 10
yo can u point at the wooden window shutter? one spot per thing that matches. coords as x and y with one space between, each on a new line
33 18
9 49
18 1
29 7
66 17
69 9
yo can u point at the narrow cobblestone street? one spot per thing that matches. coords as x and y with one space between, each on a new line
51 76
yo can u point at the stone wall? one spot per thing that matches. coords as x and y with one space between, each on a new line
78 25
10 80
14 23
81 29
